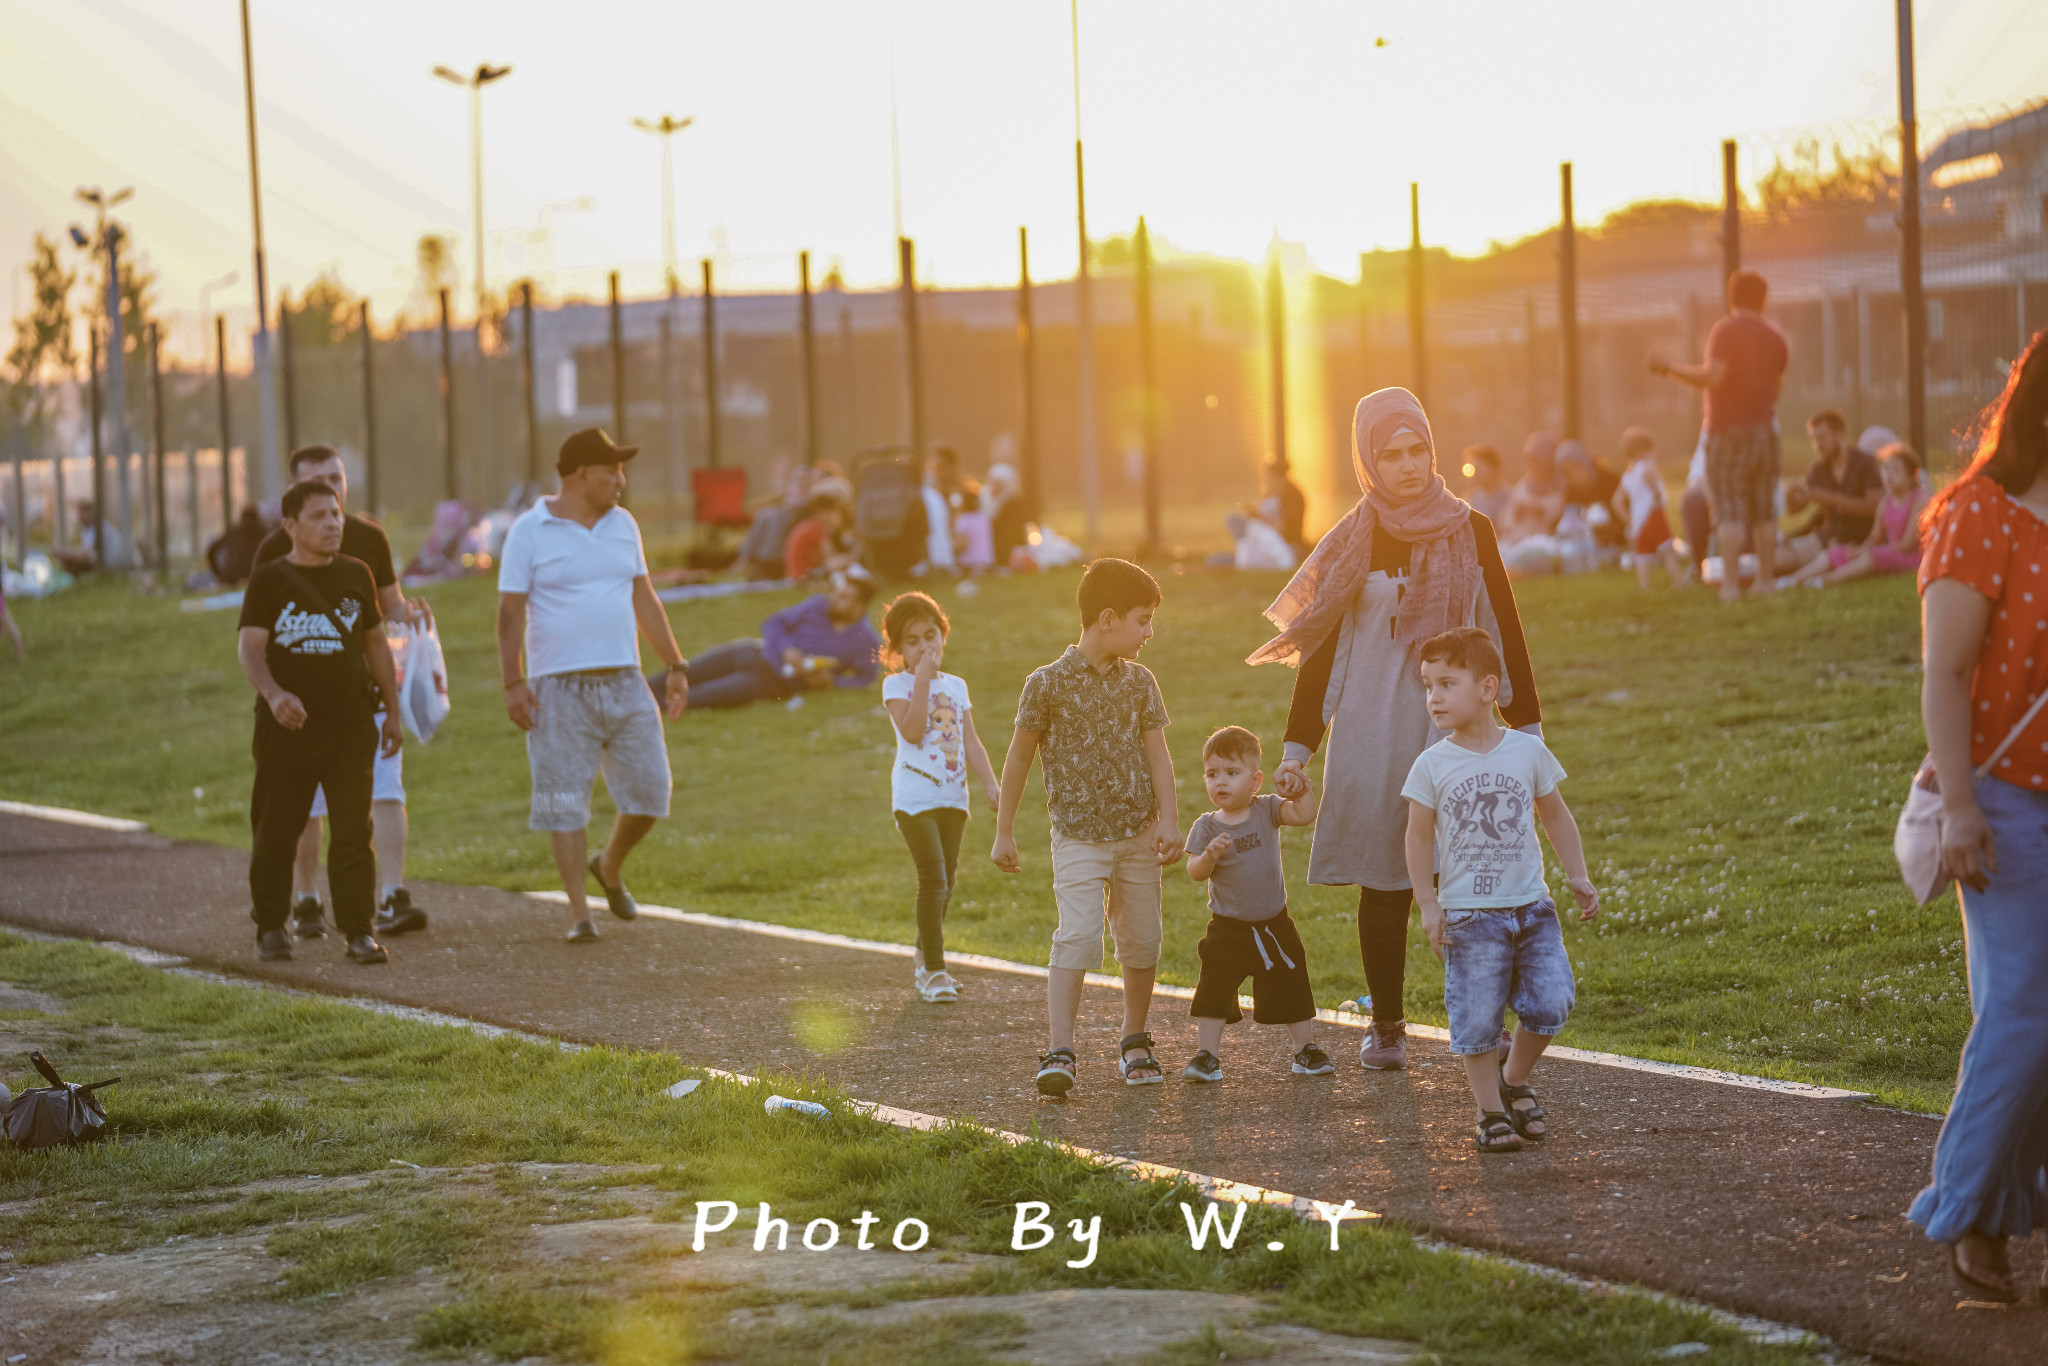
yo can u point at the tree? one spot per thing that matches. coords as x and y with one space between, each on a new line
43 344
326 313
434 272
1840 177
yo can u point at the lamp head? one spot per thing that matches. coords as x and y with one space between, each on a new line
78 237
451 76
486 73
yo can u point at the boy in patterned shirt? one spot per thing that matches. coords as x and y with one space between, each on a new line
1096 717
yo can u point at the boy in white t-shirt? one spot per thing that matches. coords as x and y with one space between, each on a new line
1477 868
936 748
1640 502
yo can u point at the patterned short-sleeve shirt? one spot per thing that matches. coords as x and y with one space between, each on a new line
1987 541
1098 780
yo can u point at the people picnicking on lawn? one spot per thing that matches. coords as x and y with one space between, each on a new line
1095 719
1892 543
936 749
1236 850
825 641
1473 800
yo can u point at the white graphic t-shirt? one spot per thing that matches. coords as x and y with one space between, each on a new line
933 774
1487 854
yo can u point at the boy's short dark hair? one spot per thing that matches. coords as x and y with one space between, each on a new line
311 455
1232 742
1467 647
1115 586
1830 417
295 497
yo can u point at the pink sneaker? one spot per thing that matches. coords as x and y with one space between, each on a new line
1384 1049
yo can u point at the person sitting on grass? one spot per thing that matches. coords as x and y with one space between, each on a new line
1236 850
825 641
1477 870
1096 715
936 748
1893 543
812 549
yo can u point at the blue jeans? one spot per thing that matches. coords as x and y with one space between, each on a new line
1497 960
1991 1164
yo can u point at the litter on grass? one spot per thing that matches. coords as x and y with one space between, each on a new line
58 1114
806 1107
683 1088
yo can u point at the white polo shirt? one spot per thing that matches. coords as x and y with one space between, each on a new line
578 583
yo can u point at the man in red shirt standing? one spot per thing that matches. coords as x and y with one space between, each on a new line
1745 362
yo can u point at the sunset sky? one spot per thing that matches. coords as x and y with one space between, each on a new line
1223 123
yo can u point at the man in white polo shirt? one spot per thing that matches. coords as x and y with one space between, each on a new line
572 586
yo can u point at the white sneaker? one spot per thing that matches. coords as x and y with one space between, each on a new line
938 987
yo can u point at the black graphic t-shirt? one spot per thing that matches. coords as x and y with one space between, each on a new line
361 539
323 669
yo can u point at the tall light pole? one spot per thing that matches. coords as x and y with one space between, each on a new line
1084 321
107 238
1910 291
475 82
270 472
665 128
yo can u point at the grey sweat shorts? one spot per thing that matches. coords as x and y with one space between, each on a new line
605 718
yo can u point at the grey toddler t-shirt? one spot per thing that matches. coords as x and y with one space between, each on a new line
1248 882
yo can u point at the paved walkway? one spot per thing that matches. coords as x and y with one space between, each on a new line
1779 1206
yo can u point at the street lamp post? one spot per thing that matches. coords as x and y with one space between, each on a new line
665 128
475 82
106 237
270 472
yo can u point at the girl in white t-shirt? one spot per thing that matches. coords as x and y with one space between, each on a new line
1640 502
936 748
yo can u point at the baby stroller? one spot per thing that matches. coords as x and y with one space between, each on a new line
888 510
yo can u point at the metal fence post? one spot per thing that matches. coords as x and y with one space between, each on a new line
618 353
1148 387
1276 357
447 406
373 494
711 435
526 382
1731 214
287 357
1533 360
1909 240
158 523
807 326
1418 356
1568 301
671 409
99 478
913 358
227 474
1027 382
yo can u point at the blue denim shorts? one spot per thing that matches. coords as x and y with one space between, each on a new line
1499 960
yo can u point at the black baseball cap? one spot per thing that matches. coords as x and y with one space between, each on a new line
591 447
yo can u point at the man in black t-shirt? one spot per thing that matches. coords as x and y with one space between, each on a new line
361 539
310 646
1843 484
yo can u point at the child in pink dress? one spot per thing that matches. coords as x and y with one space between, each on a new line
1893 546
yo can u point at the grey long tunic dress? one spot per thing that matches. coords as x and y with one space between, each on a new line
1361 689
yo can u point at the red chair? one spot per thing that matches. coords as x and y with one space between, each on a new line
721 497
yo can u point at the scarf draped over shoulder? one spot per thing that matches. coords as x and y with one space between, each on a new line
1443 576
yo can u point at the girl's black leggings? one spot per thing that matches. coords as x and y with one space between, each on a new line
934 840
1383 947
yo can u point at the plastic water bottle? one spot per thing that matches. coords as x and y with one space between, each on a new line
1362 1006
808 1107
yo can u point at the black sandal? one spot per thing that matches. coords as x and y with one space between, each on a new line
1056 1072
1522 1119
1138 1071
1495 1134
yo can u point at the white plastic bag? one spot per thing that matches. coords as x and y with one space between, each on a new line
423 692
1261 547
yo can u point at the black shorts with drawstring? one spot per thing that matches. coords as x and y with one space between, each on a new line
1267 951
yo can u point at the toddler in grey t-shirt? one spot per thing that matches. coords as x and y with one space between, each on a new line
1236 850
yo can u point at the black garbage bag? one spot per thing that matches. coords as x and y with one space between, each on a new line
62 1112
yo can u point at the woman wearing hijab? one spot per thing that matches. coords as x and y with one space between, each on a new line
1412 559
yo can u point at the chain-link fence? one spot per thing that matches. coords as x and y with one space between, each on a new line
1248 361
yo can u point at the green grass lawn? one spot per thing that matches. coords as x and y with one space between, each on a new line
231 1098
1736 773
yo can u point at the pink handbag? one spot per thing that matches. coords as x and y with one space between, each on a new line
1916 844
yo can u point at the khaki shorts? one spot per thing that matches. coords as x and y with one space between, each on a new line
1116 881
603 719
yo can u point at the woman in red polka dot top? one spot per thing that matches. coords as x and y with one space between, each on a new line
1984 611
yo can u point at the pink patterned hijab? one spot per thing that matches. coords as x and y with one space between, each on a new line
1443 580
